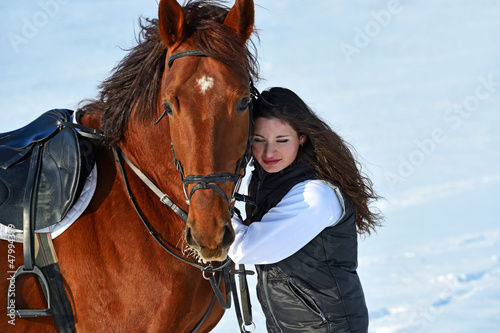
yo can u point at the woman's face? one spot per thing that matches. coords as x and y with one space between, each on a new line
275 144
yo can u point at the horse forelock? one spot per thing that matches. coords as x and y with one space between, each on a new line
136 80
216 40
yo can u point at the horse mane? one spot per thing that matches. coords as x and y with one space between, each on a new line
136 79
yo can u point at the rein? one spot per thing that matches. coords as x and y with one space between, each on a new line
206 270
200 182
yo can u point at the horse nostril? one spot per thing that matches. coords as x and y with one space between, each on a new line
190 239
228 237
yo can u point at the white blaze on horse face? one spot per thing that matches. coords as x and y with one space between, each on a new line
205 83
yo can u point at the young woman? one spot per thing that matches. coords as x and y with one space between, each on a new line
310 202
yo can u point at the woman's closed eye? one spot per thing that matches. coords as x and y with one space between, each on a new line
260 140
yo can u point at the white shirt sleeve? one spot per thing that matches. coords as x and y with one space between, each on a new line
307 209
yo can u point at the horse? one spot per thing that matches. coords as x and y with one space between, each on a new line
176 112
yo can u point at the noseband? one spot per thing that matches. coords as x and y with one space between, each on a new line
208 181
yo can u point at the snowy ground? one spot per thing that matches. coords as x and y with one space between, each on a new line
413 85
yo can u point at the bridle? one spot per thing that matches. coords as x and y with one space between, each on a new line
200 182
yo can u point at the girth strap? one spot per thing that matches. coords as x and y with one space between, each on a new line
61 305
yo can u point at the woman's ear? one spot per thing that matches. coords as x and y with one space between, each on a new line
302 139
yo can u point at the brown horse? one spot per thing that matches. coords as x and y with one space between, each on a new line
152 108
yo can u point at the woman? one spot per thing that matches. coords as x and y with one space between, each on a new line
310 202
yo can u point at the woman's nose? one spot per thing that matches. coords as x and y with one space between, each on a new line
269 149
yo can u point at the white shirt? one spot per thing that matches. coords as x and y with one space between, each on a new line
307 209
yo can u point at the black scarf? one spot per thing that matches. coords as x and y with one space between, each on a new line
267 189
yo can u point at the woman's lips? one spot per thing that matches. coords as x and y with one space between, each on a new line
271 162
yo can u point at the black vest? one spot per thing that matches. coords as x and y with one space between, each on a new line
316 289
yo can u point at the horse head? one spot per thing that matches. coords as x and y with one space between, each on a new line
206 101
204 115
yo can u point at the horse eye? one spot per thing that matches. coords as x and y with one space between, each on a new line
168 109
243 105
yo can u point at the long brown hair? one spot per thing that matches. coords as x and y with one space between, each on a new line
325 151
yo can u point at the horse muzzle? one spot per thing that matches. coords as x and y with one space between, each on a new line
210 248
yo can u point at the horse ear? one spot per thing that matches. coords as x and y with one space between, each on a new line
241 18
171 22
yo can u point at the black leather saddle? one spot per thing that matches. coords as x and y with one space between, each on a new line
43 166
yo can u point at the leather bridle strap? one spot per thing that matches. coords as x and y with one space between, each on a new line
207 181
204 182
182 54
164 198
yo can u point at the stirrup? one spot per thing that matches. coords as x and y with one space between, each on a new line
29 313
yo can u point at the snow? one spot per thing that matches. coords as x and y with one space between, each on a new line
413 85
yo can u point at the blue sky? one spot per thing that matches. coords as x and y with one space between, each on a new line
413 85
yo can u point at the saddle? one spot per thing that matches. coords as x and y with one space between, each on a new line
43 167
